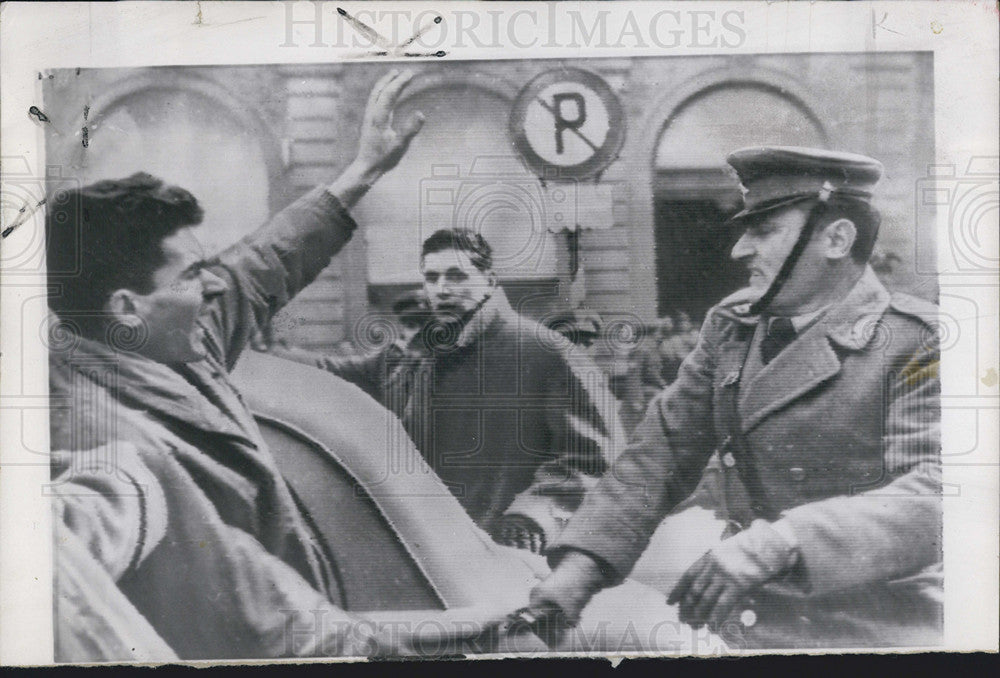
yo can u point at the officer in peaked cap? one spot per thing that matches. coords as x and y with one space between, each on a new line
818 390
776 179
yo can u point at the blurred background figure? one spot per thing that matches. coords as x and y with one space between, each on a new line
628 368
639 369
687 330
667 351
581 326
678 339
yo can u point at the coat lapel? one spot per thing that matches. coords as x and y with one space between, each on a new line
802 366
731 355
811 359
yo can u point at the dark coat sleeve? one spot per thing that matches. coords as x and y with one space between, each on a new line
368 372
583 437
265 270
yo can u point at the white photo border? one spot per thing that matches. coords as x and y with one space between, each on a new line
36 37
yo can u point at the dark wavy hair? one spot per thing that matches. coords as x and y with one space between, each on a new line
107 236
475 245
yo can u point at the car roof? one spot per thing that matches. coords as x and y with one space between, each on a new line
460 560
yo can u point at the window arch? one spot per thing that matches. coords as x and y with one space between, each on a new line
695 191
191 132
714 121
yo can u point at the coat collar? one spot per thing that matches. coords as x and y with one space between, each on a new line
493 311
808 361
144 384
849 323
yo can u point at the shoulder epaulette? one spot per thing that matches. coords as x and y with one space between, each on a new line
737 305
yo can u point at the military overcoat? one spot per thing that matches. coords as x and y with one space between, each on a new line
842 444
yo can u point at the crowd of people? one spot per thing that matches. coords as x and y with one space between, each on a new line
640 369
829 440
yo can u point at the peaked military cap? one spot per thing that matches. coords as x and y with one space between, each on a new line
778 176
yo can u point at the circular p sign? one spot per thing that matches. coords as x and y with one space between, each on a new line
567 124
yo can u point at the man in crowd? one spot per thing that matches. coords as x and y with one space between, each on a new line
224 563
506 414
636 368
679 339
583 328
819 391
512 419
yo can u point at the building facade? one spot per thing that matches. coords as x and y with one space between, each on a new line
647 236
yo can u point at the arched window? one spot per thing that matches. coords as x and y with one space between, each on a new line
695 192
191 139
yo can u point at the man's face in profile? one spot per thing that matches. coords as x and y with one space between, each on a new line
452 283
766 243
181 288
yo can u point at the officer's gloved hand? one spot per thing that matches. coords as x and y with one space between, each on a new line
718 581
558 600
520 532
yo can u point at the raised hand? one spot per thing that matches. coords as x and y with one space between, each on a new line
381 146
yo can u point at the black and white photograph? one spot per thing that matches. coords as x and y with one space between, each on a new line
396 350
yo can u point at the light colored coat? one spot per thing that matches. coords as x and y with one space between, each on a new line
843 430
234 564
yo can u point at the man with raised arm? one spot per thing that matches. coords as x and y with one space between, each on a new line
148 330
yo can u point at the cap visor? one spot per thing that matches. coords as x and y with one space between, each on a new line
770 206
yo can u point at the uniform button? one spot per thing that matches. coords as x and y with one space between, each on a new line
797 473
728 460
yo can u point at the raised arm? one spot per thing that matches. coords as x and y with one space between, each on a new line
268 268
